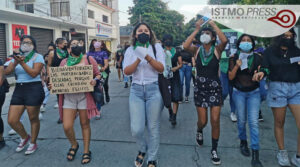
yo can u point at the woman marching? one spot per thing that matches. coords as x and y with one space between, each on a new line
207 90
246 94
82 104
284 88
173 64
27 64
144 60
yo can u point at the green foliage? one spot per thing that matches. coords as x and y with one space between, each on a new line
161 19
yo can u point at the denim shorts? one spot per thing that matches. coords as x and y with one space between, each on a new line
280 94
28 94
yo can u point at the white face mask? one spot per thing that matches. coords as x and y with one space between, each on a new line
205 38
26 48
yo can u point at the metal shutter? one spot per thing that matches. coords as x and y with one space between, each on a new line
43 37
3 53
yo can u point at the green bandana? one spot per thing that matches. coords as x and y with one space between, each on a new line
74 60
206 59
173 52
61 53
140 44
29 56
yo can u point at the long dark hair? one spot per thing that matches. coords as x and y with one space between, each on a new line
32 40
92 48
276 40
240 40
104 48
152 35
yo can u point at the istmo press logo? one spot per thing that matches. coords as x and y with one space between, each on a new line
257 20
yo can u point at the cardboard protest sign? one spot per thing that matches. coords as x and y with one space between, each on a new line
71 79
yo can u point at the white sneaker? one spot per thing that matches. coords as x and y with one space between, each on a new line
283 158
233 117
22 144
31 149
56 105
42 109
98 117
12 132
40 116
295 161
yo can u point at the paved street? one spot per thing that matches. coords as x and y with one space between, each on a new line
113 146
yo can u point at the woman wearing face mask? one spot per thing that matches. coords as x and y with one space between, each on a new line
246 94
102 61
28 93
173 64
144 60
105 69
284 88
55 57
78 103
207 90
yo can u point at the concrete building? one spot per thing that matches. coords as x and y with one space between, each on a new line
45 20
103 16
125 34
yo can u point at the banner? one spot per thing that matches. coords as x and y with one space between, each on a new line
256 20
71 79
17 32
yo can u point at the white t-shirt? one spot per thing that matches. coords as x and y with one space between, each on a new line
145 73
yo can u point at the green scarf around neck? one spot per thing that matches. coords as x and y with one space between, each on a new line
74 60
206 59
61 53
29 56
141 45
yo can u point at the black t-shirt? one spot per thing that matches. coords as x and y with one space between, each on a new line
186 56
279 65
243 78
1 62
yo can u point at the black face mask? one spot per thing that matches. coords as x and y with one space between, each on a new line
77 50
168 43
286 42
143 38
64 48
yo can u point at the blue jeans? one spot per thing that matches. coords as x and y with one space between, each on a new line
247 105
186 72
47 93
227 89
263 88
145 107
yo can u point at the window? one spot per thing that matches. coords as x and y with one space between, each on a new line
105 19
106 2
25 7
59 9
91 14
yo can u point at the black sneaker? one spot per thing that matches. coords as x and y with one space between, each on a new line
107 98
126 85
186 99
215 159
59 121
152 163
173 119
2 144
260 117
244 148
170 114
199 138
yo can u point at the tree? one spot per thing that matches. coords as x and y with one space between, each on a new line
161 19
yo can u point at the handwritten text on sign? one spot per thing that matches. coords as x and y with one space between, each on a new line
73 79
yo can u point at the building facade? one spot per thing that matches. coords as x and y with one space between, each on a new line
47 20
103 16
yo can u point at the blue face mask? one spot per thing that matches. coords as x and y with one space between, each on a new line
245 46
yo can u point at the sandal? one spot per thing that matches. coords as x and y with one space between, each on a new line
139 160
72 155
86 156
152 164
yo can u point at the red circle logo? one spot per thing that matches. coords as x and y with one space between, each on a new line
284 18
